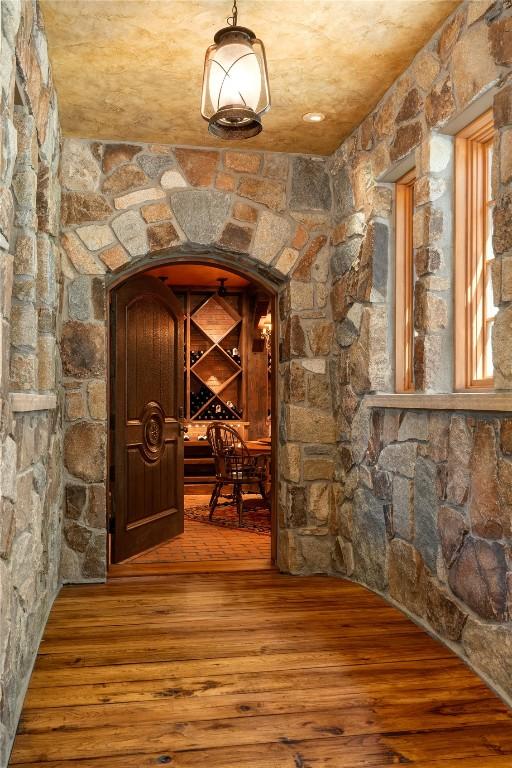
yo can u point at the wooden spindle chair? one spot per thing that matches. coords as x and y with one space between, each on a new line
233 466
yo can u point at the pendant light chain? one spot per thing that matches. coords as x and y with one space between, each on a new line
232 20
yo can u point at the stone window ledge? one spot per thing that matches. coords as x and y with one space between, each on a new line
459 401
24 402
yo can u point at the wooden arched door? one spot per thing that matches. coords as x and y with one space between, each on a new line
146 406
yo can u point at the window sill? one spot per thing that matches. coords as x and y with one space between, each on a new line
24 402
459 401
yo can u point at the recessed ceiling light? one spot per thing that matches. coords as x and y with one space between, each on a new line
313 117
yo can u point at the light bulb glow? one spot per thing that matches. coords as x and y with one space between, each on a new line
234 77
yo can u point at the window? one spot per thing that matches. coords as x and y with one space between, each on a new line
404 283
474 304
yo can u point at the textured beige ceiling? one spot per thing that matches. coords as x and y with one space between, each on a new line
131 70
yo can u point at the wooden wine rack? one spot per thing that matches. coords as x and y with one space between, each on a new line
213 324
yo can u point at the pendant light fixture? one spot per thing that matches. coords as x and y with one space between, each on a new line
235 82
222 291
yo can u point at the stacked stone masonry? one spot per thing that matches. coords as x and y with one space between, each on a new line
415 504
423 499
128 206
30 442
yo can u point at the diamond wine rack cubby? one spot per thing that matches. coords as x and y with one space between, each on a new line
215 346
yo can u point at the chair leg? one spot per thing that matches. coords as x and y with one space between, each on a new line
215 498
262 490
237 492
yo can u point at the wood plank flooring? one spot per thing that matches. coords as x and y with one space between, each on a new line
250 670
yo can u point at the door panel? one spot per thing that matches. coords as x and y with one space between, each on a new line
147 492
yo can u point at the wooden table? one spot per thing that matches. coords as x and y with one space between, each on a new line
262 448
200 466
259 448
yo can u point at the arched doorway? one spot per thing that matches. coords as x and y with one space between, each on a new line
161 474
260 227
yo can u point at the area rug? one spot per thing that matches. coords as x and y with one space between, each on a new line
256 515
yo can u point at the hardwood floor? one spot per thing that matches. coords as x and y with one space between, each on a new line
250 670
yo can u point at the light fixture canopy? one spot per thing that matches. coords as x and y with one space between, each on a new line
235 83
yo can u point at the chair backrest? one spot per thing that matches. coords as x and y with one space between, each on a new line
229 450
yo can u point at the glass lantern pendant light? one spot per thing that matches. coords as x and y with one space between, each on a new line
235 82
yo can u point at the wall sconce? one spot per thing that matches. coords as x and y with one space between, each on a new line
265 328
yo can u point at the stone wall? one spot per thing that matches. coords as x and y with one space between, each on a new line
127 206
415 504
423 499
430 524
30 433
394 499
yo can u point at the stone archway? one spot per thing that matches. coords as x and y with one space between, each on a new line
242 263
125 207
247 268
84 349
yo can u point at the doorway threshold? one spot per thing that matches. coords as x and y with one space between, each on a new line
133 569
